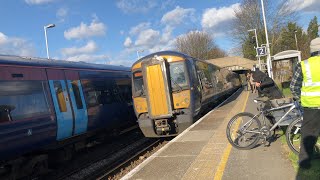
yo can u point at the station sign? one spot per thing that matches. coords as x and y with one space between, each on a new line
261 51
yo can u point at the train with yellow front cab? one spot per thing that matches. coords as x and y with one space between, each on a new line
170 89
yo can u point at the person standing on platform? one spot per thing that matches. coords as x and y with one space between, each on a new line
265 85
252 83
305 86
248 80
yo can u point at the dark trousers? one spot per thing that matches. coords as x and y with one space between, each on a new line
310 131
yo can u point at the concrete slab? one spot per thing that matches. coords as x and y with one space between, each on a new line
183 149
198 135
165 168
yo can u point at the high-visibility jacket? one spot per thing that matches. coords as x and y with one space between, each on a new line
310 91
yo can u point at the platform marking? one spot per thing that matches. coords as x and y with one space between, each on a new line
156 154
223 162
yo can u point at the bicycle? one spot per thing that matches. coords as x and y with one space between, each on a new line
293 137
246 133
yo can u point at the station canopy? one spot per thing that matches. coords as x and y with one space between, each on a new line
233 63
287 54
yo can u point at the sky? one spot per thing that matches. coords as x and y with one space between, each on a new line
113 31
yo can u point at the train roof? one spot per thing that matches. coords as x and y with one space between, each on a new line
170 53
33 61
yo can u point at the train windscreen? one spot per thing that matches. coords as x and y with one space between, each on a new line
138 84
178 76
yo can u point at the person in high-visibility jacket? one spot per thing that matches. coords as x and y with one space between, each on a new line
305 86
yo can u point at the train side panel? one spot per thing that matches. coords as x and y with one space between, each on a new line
108 99
27 120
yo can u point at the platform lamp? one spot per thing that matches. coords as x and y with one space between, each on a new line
295 37
45 35
257 44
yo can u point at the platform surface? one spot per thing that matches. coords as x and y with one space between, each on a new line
203 152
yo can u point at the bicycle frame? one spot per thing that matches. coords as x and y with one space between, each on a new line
291 107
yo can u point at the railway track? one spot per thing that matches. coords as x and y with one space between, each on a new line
117 168
111 164
106 159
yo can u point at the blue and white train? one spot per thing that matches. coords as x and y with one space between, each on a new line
53 105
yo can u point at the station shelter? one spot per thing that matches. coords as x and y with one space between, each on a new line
283 65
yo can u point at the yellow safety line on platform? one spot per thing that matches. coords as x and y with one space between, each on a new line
222 165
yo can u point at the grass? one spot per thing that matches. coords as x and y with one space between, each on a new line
310 174
286 92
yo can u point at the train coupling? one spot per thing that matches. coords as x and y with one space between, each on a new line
162 126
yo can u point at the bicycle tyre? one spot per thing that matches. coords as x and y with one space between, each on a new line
228 130
288 136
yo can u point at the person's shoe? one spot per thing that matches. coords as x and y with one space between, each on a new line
305 164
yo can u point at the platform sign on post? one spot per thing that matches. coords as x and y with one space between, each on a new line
261 51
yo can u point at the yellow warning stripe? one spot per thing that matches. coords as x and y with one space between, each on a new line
222 165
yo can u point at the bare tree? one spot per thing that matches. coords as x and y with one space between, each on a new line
198 44
249 16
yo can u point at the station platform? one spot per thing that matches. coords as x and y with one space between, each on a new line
203 151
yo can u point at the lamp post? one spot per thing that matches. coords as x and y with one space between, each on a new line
139 51
257 44
45 35
269 66
295 37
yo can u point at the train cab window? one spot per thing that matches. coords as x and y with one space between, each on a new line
77 95
20 100
138 84
178 76
60 96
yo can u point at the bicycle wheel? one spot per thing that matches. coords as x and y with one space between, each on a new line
237 131
293 136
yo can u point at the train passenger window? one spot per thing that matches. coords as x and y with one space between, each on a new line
177 76
60 96
207 70
124 86
77 95
21 100
100 92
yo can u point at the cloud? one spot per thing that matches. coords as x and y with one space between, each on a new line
148 41
140 27
90 47
217 20
92 58
36 2
82 31
147 37
303 5
127 42
15 46
178 16
136 6
62 13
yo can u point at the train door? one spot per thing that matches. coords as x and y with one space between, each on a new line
61 103
78 102
196 85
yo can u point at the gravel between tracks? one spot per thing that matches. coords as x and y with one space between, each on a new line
135 162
